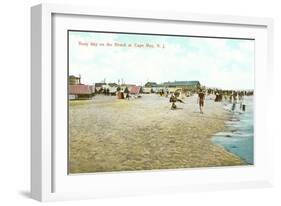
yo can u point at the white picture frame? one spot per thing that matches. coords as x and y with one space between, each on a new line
49 178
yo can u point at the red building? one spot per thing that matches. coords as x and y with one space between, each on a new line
80 91
135 90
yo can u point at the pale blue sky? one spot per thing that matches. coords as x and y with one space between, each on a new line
215 62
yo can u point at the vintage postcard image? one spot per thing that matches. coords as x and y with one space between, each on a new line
154 101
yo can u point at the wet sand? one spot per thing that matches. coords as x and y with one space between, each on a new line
107 134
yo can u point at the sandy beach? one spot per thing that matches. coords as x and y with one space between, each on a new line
107 134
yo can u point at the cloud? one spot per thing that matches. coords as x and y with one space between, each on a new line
224 63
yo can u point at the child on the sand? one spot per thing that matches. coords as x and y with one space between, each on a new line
173 100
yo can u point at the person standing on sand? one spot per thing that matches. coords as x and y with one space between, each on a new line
127 96
201 98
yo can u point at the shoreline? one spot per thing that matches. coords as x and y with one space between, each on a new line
107 134
237 137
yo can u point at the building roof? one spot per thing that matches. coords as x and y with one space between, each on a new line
73 77
182 83
80 89
112 84
135 90
150 84
160 85
99 84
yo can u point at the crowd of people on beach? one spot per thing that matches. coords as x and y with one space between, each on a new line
231 96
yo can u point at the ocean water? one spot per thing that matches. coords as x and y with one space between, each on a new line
239 135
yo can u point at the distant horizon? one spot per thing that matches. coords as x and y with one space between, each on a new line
130 83
214 62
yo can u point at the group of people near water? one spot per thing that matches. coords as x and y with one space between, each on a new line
234 97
